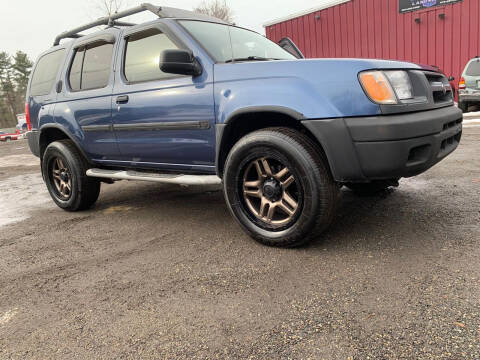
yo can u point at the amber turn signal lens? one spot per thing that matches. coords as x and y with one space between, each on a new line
377 87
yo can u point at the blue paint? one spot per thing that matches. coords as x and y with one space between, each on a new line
317 89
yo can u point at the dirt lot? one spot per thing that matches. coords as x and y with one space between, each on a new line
163 272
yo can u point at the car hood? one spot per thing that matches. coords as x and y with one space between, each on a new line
328 68
317 88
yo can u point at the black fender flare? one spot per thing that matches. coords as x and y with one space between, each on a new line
221 127
270 108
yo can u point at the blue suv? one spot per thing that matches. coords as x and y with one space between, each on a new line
189 98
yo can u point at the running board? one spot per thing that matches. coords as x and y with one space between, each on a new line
178 179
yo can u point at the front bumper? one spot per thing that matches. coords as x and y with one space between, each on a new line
387 147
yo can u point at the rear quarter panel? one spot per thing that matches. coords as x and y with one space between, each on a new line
40 107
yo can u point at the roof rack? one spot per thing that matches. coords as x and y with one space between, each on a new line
160 11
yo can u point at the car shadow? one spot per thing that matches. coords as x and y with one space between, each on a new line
394 217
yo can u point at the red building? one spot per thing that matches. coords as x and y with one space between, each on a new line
444 33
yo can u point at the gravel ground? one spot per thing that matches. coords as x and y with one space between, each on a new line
163 272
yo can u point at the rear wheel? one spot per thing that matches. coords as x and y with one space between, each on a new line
64 171
279 188
372 188
8 139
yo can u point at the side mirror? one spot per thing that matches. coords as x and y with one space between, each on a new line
179 62
451 78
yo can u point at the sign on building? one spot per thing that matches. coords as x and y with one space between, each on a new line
414 5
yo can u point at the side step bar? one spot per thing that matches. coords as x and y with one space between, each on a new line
154 177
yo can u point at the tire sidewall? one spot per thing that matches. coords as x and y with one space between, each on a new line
54 150
260 145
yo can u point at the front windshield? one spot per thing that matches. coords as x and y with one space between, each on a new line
229 43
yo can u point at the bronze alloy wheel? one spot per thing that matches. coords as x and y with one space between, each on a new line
64 170
279 188
271 193
62 178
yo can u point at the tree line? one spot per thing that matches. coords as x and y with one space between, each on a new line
14 73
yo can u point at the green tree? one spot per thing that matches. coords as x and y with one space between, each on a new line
7 88
14 74
22 66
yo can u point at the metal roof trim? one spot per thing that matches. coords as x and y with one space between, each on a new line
327 4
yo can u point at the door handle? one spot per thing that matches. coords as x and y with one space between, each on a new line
122 99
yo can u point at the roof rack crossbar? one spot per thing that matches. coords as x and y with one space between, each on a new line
108 20
123 23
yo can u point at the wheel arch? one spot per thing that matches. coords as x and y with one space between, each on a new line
54 132
245 121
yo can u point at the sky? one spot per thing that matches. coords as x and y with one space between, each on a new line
31 25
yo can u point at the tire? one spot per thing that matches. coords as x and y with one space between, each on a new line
371 188
302 207
8 139
63 164
463 106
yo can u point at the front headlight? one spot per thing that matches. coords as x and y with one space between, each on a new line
386 87
401 84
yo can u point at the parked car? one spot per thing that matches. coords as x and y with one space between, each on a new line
21 128
190 94
8 136
21 123
469 85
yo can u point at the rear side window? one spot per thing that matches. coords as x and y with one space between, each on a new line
142 55
91 67
46 73
473 68
76 70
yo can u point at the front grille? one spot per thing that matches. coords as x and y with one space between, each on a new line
439 87
431 90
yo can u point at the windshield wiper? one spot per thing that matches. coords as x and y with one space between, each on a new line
251 58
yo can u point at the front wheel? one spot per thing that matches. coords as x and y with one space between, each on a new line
278 186
64 171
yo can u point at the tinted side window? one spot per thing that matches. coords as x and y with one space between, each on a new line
46 72
473 68
96 66
142 55
75 77
91 67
